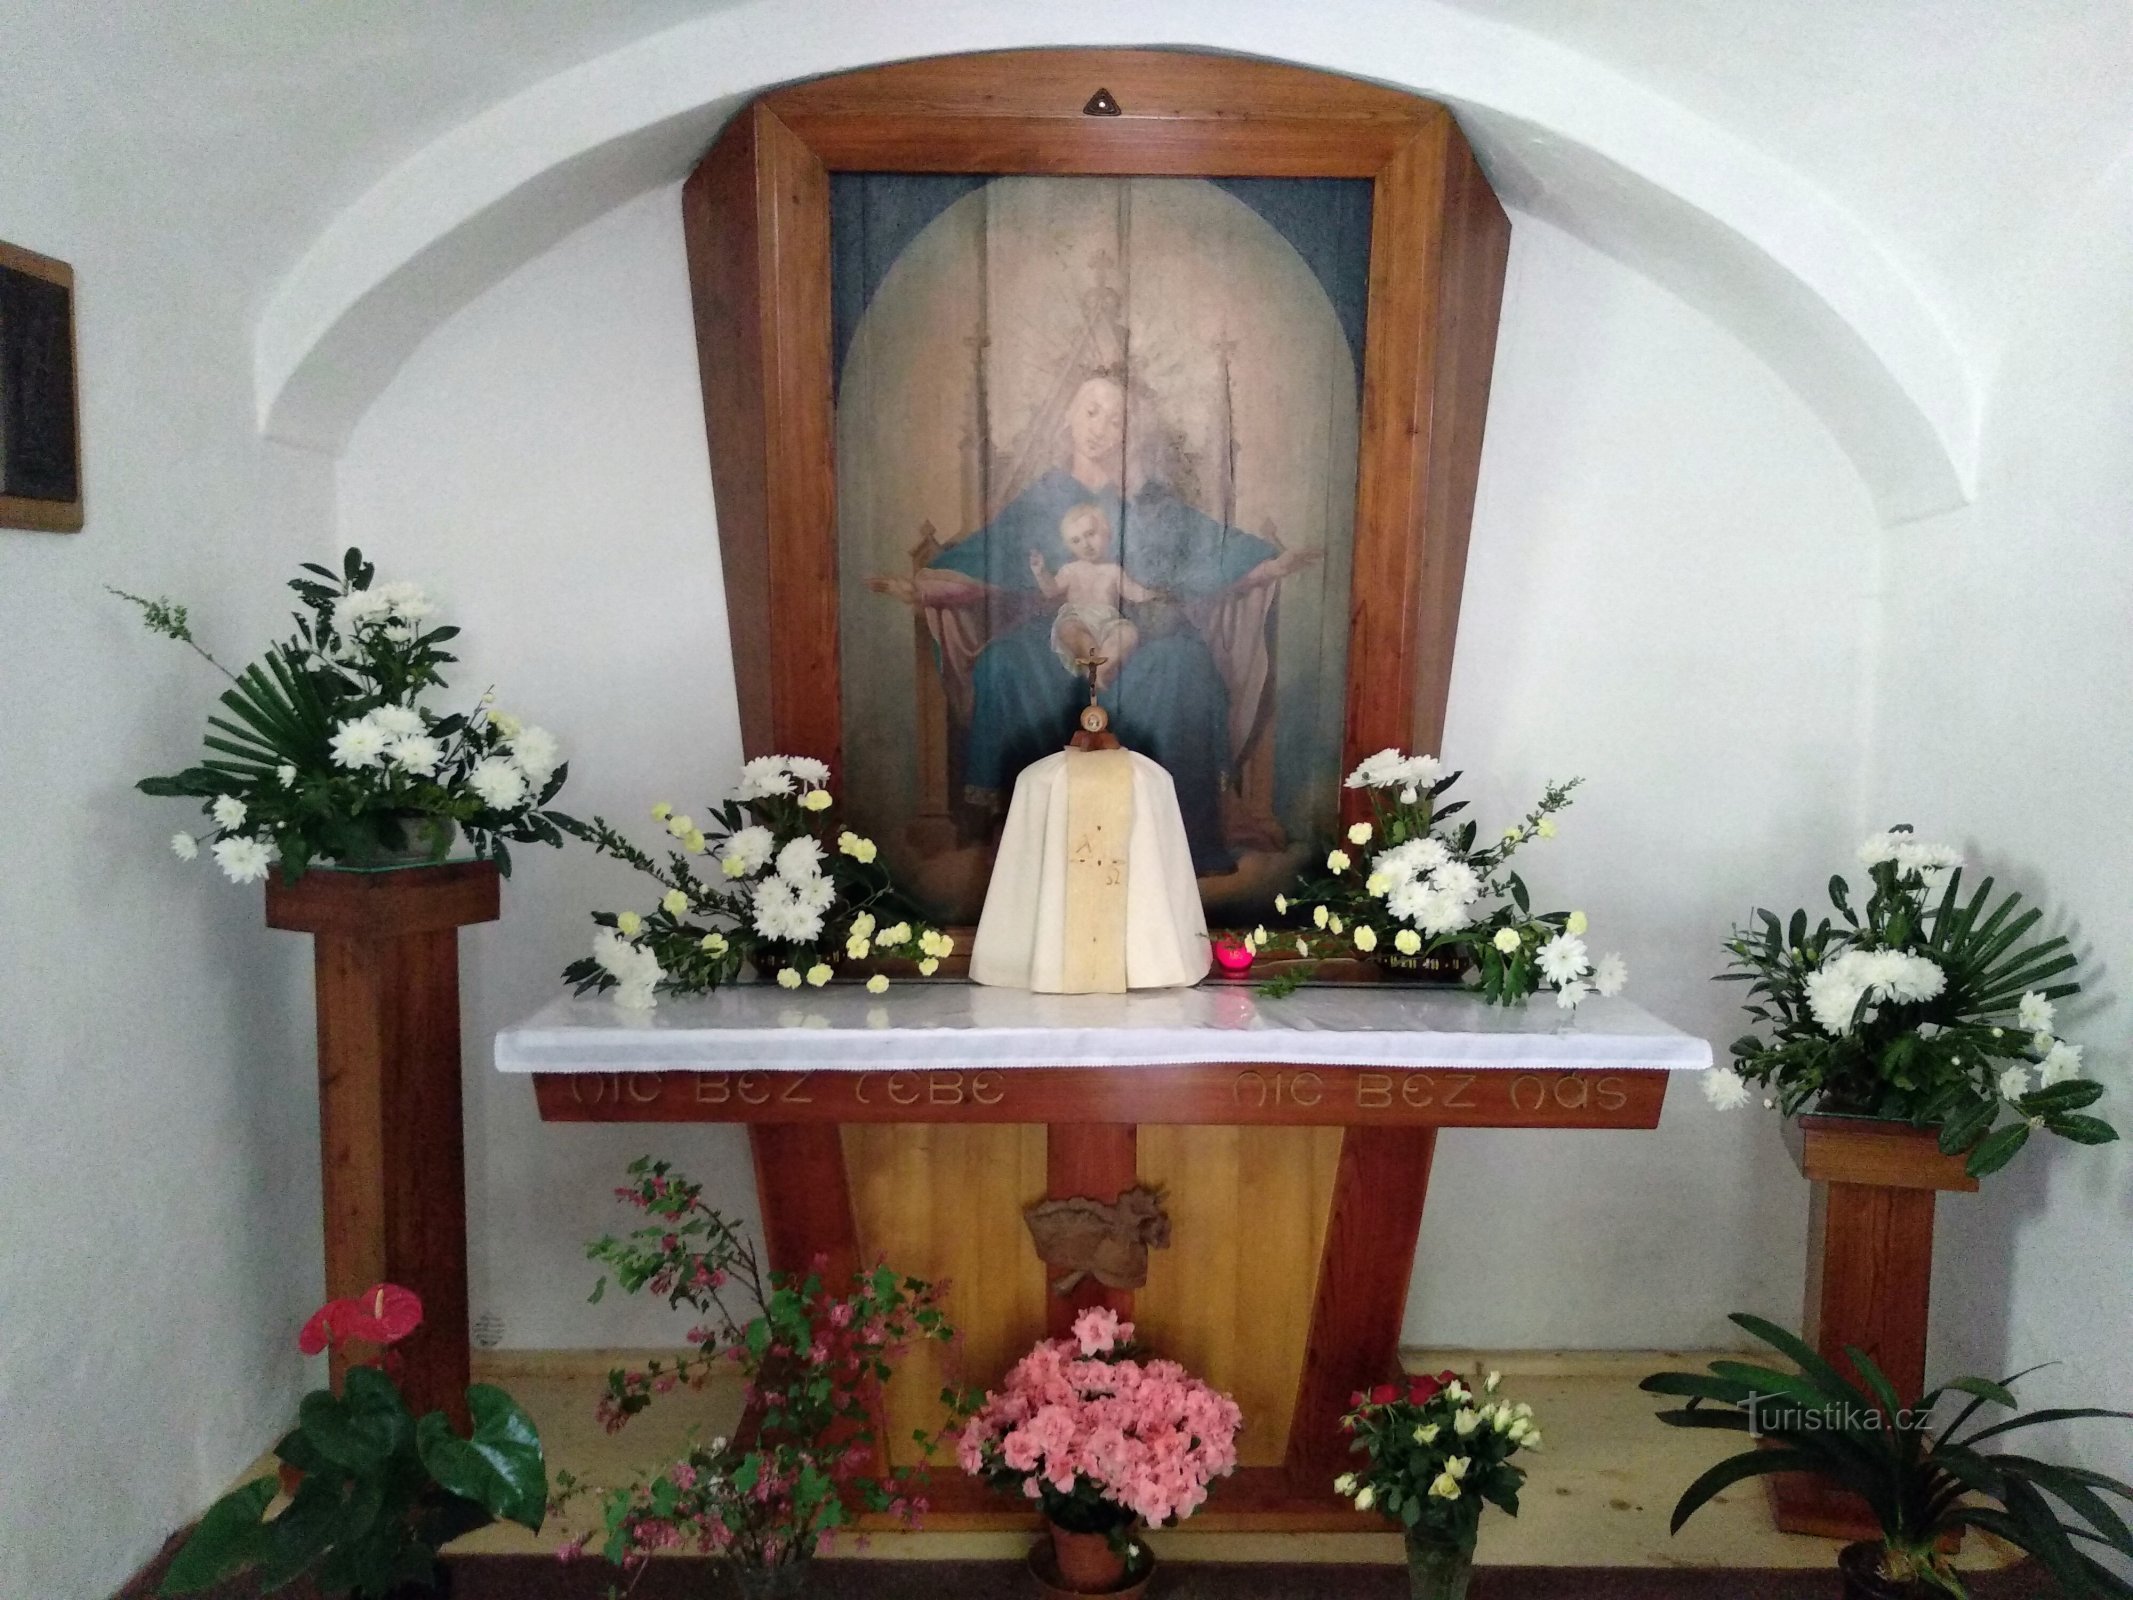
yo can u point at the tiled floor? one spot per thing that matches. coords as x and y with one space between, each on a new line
1600 1495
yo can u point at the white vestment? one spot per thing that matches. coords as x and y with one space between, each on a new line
1070 911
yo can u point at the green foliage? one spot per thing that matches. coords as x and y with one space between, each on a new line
1941 1060
1923 1476
813 1357
357 651
380 1494
1422 1471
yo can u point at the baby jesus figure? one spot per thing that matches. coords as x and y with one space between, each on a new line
1091 586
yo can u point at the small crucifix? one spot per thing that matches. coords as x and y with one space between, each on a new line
1095 731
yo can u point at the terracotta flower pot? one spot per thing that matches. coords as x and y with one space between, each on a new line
1861 1566
1086 1563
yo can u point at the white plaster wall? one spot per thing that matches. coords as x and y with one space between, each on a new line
159 1234
2003 723
1650 491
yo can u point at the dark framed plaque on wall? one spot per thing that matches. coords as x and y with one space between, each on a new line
40 411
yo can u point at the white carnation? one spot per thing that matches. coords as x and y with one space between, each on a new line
358 743
750 847
500 785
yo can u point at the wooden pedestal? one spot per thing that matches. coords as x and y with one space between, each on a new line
1869 1276
393 1165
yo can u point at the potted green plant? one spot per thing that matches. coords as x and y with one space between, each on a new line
1438 1454
323 751
1923 1006
377 1492
812 1357
1923 1475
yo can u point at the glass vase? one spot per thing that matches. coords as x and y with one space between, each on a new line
1437 1571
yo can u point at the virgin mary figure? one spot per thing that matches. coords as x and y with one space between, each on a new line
1087 560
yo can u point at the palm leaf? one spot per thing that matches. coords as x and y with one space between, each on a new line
1737 1469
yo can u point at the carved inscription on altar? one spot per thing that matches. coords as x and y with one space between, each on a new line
1208 1095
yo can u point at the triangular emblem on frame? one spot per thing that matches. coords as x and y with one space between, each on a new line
1102 105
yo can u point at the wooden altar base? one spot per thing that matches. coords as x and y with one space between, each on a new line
1296 1195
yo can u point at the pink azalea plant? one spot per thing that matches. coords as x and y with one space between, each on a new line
1100 1437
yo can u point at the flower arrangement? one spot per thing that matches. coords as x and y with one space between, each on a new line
324 754
810 1359
1923 1005
1925 1479
1101 1438
793 894
1405 886
1438 1453
381 1492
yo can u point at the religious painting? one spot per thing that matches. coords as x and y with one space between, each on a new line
1095 437
40 445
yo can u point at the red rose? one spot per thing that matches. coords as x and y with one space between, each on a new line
1420 1391
1385 1394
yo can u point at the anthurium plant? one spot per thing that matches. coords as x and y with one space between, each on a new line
381 1490
1922 1003
1917 1467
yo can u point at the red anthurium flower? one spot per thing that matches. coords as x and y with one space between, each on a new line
385 1313
322 1330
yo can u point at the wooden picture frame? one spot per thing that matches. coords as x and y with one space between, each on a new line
757 221
40 395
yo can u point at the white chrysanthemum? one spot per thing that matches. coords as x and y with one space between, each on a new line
352 611
399 721
244 860
1725 1089
2061 1062
537 753
1570 994
1414 859
286 774
807 769
1835 989
1443 913
780 913
1406 900
185 847
407 600
1418 770
1457 878
1380 771
358 743
763 777
2035 1013
1611 975
801 858
417 753
2014 1082
509 727
500 784
1909 852
750 847
1562 959
635 969
228 812
815 893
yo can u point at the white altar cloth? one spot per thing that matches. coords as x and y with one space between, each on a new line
757 1027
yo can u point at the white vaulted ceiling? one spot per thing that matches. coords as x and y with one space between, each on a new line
1853 189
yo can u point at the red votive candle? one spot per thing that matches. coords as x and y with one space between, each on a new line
1233 955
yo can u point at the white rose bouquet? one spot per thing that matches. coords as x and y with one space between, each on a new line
784 888
1405 888
324 753
1923 1006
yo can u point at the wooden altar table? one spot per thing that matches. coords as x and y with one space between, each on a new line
1291 1140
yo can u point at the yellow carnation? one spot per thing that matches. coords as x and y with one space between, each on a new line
819 973
787 978
675 902
1407 941
878 984
1366 939
629 924
816 800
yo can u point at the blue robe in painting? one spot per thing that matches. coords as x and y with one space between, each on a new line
1169 701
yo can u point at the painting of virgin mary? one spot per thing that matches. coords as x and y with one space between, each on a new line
1158 392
